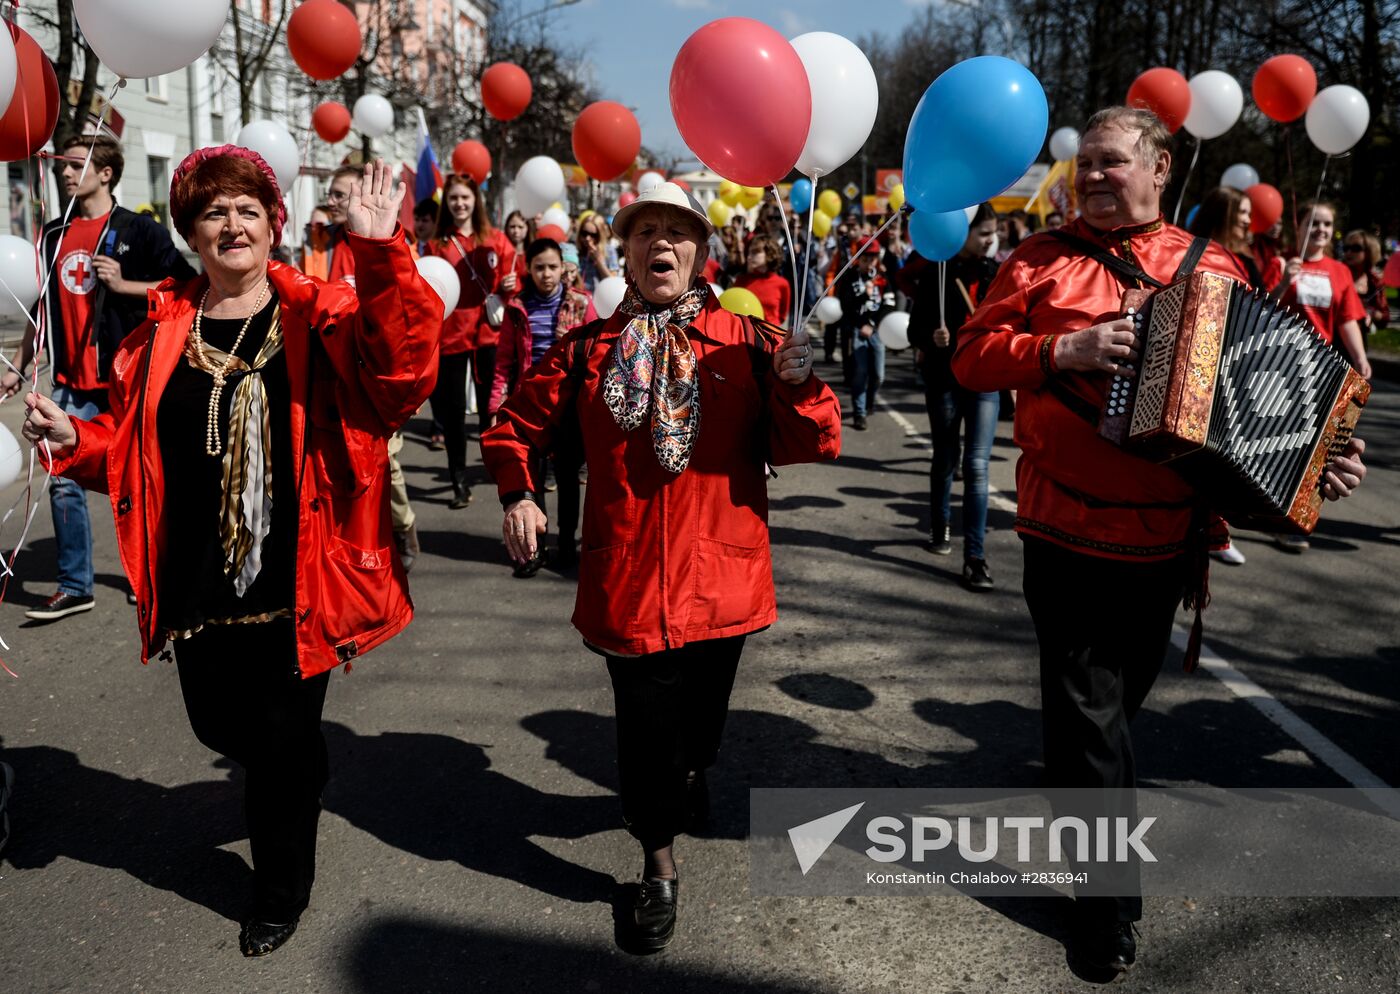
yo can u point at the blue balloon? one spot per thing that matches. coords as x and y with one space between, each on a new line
800 196
976 130
938 236
1191 215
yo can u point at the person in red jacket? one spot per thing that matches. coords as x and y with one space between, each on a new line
545 311
763 280
1106 534
245 455
485 263
1323 289
679 404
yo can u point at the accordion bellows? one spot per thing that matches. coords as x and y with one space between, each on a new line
1241 395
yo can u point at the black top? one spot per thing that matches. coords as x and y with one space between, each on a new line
976 275
191 583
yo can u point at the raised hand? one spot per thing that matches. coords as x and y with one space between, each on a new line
373 210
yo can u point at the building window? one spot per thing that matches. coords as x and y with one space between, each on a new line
158 170
156 89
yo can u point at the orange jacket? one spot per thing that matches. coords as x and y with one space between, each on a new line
1074 487
360 363
671 558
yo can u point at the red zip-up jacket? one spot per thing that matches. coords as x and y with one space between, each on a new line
481 267
670 558
513 349
1074 487
360 362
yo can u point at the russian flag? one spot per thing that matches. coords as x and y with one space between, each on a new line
429 179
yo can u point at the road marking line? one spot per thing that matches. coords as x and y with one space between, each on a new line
1319 746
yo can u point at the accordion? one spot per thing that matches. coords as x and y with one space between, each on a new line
1239 394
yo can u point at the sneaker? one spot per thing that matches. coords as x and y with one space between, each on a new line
406 542
939 539
1295 544
60 605
1229 555
976 576
859 422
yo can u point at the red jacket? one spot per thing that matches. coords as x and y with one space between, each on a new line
481 267
1073 487
513 350
361 362
671 558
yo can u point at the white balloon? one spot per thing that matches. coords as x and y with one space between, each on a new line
894 330
1216 102
715 291
971 212
1241 176
607 294
9 70
275 144
443 278
11 457
845 100
828 310
539 183
649 181
373 116
19 276
151 37
1064 144
1337 118
558 217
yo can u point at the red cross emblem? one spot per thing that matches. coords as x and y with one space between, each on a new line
77 273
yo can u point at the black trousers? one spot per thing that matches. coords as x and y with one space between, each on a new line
245 701
671 708
1103 626
567 464
449 407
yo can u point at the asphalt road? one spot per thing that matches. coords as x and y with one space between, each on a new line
472 838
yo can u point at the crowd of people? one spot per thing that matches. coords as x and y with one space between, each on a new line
281 385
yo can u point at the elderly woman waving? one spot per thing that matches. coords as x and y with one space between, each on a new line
680 404
245 453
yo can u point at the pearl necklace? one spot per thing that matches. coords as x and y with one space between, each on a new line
213 444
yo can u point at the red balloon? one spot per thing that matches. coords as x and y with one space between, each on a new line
1165 93
625 198
33 111
331 121
505 91
551 231
1391 276
324 38
607 139
1265 207
741 100
1284 86
471 158
681 183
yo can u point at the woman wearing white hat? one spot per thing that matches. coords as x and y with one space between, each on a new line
680 404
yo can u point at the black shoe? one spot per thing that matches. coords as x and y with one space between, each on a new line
654 914
461 493
530 567
976 576
407 543
859 423
1105 949
939 540
697 802
60 605
566 557
260 938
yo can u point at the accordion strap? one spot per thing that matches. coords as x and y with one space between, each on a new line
1127 271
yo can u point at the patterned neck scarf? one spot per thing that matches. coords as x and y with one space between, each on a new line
245 504
653 368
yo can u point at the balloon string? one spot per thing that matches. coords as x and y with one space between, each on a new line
1181 197
856 254
1307 235
806 266
1292 180
942 282
792 253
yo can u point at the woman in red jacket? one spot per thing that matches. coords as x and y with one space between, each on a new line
674 571
267 557
763 280
485 263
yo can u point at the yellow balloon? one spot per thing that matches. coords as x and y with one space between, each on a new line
737 300
720 213
729 192
821 224
750 196
830 203
897 197
584 216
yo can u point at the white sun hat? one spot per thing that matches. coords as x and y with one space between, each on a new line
666 195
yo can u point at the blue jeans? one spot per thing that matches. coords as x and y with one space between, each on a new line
867 371
947 411
71 531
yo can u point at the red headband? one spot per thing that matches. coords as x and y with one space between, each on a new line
201 155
